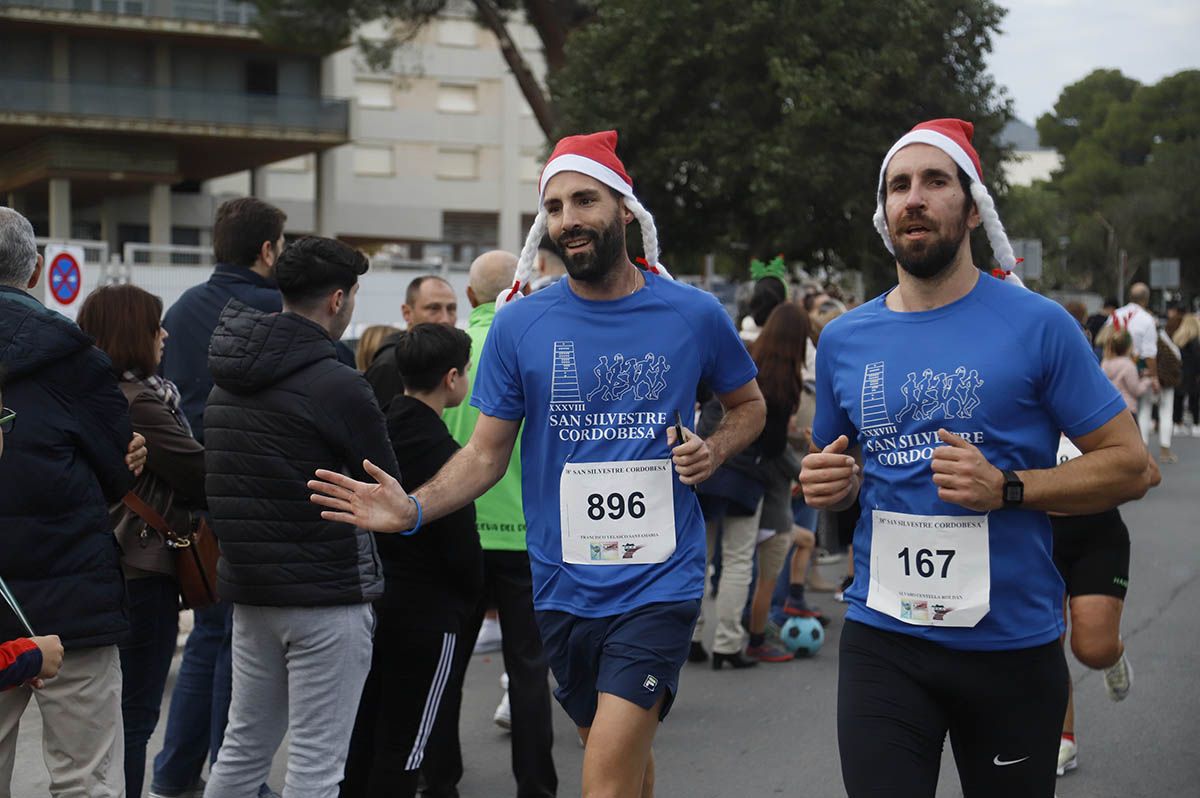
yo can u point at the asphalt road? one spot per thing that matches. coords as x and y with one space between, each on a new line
771 730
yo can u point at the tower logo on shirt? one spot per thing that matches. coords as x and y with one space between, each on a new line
616 377
928 396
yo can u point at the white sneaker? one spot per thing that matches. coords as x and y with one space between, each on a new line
489 637
503 716
1118 679
1068 756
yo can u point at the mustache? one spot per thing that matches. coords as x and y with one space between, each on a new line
578 232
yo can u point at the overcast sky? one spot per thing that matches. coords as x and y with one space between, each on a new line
1049 44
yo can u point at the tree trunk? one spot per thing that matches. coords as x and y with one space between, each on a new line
539 103
548 22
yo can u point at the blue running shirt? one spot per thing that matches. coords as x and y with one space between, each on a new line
1006 369
600 382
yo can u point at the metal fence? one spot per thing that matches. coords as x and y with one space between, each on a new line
151 104
228 12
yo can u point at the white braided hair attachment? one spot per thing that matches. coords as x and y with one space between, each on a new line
649 235
1001 249
525 263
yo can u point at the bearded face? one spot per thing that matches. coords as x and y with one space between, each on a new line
591 254
925 247
928 209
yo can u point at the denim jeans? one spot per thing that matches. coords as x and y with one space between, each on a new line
199 703
145 662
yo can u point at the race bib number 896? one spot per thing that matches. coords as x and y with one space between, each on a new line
618 513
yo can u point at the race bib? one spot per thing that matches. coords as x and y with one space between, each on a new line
1066 450
930 570
619 513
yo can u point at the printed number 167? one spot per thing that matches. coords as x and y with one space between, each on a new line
924 561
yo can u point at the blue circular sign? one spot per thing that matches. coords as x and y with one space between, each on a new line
65 278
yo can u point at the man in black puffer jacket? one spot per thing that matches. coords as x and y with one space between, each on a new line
63 465
301 586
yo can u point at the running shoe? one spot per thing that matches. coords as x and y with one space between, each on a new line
503 715
801 609
840 595
826 557
1118 679
489 637
770 651
1068 756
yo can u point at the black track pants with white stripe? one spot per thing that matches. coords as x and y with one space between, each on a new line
400 701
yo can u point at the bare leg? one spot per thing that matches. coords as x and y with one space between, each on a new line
805 541
1069 720
1096 630
617 760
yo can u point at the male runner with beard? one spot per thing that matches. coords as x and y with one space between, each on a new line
615 536
955 611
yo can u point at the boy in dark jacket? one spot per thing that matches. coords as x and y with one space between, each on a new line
301 586
434 577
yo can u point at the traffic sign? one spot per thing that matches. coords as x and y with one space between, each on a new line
1164 272
67 278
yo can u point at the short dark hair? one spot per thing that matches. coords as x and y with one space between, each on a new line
425 352
313 267
124 320
1111 302
414 287
241 227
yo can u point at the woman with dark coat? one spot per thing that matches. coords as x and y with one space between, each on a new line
126 323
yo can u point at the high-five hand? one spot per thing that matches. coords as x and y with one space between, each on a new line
382 507
828 476
964 476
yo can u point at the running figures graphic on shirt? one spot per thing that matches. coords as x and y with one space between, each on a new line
930 396
643 376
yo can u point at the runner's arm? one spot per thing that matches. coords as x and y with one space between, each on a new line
745 414
385 507
1112 470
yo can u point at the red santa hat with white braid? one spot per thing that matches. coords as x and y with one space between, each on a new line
953 137
594 155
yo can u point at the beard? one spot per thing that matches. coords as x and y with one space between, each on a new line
927 259
598 263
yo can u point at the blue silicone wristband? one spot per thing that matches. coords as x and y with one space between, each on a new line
417 525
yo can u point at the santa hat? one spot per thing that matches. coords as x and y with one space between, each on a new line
594 155
953 137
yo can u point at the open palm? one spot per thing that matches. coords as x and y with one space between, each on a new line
380 507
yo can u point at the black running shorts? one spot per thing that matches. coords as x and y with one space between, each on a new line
1092 553
899 695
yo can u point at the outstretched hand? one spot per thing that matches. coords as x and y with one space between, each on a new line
380 507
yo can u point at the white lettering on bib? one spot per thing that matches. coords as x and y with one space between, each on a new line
620 513
930 570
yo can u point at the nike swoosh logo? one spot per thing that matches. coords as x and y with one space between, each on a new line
999 763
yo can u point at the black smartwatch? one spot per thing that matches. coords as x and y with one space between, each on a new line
1014 490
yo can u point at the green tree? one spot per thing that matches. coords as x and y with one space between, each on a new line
1131 161
759 126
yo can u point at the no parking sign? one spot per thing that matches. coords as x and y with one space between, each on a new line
67 279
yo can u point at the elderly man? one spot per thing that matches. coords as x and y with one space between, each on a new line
60 558
428 300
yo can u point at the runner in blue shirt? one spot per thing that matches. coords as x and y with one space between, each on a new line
600 367
938 406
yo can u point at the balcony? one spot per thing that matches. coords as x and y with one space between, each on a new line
193 19
170 111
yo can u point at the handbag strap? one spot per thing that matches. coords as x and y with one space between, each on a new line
151 516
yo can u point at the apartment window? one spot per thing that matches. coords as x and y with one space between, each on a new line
373 93
457 33
458 164
262 77
531 167
458 98
299 165
373 161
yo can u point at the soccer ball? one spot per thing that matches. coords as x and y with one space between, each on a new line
804 636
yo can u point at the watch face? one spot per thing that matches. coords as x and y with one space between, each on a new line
1013 493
